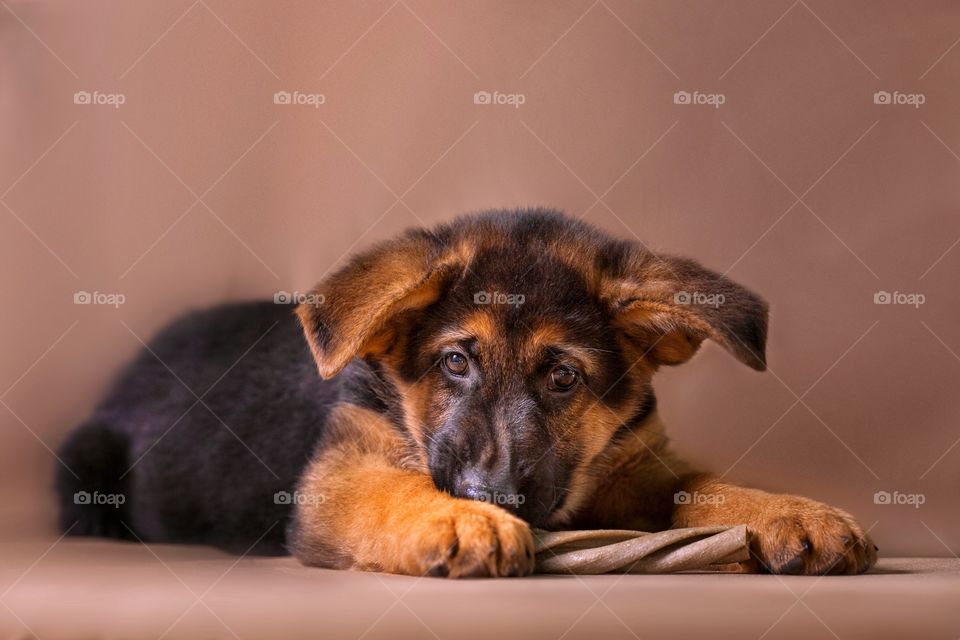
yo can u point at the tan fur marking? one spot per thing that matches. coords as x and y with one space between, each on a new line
549 335
482 326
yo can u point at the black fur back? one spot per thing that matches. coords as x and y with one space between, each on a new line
218 470
93 457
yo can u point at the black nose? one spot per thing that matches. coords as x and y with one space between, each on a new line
499 491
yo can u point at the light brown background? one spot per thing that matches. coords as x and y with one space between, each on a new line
99 199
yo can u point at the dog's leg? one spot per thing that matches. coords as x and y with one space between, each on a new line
357 508
789 534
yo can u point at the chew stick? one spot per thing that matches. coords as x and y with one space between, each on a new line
613 550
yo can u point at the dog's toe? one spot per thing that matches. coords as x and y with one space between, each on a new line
805 537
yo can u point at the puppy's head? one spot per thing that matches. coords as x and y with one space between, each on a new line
522 344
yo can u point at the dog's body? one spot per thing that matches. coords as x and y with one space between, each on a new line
505 358
193 478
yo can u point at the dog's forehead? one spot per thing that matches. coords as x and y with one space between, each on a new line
523 274
522 310
516 336
522 297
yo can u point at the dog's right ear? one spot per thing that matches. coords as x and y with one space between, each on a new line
670 305
352 313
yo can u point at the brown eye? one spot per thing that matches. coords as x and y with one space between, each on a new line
563 378
455 363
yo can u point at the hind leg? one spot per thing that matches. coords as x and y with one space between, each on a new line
93 496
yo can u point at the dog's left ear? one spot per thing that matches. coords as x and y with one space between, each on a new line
670 305
356 311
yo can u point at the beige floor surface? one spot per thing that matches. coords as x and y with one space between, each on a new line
101 589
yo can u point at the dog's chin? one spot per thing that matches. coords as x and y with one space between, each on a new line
538 507
535 517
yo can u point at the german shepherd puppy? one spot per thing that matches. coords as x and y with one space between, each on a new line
478 379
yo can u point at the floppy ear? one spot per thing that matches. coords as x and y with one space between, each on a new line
670 305
352 312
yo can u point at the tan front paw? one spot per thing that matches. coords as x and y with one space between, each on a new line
798 536
469 539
